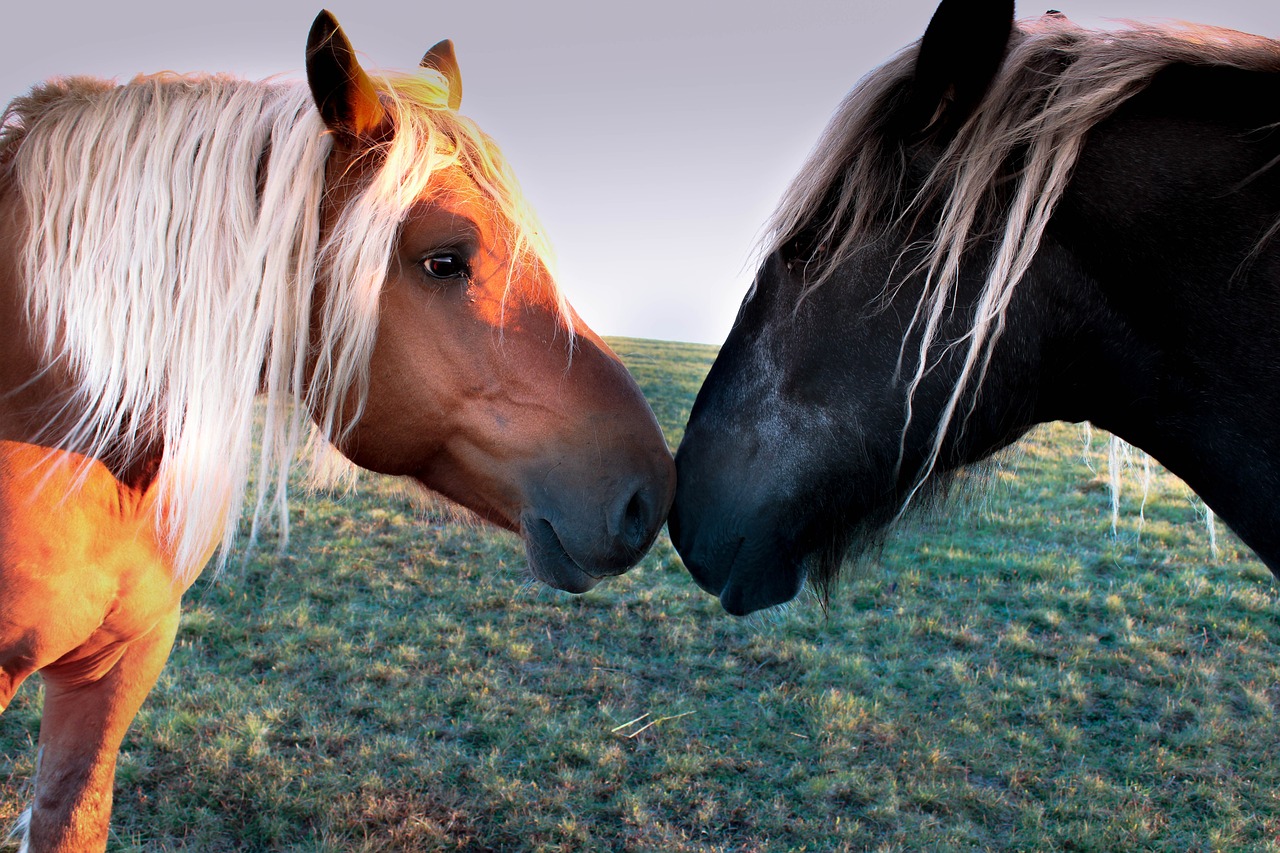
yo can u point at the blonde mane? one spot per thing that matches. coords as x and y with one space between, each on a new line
171 263
1001 177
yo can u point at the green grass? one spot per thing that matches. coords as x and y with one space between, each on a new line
1006 677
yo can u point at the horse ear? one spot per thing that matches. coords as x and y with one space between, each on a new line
343 92
959 56
442 58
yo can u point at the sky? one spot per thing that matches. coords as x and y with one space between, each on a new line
653 138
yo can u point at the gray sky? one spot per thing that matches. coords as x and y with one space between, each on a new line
652 138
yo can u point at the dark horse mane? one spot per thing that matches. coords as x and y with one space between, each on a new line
996 177
1057 81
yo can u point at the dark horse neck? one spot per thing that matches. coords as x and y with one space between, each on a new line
1174 347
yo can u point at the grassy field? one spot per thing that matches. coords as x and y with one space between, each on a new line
1008 677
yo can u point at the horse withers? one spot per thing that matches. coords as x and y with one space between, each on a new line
1007 224
180 256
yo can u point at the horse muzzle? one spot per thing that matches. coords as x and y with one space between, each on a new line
747 573
573 549
742 555
549 560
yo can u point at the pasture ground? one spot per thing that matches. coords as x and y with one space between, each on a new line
1006 677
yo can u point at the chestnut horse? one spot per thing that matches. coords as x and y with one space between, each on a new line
1009 223
182 255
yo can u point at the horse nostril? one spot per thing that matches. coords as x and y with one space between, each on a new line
637 522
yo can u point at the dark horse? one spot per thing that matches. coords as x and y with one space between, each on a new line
1006 224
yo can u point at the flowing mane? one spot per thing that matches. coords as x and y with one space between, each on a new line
1000 177
172 269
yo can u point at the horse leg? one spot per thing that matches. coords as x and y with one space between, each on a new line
81 730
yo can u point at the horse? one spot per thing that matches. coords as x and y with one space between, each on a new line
1006 224
347 259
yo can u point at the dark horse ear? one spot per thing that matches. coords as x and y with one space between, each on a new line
442 58
959 56
343 92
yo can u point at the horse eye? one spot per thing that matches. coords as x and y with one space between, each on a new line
446 265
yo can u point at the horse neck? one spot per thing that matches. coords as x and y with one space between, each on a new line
218 311
1166 315
29 396
1169 223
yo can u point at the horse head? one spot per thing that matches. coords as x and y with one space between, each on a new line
813 425
482 383
1004 225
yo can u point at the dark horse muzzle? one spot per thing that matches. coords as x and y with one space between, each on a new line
735 537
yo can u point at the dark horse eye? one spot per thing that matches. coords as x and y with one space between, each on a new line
446 265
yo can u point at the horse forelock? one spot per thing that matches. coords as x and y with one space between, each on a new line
1000 177
173 276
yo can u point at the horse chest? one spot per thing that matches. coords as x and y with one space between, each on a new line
82 570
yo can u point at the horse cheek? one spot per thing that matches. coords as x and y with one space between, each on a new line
404 414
